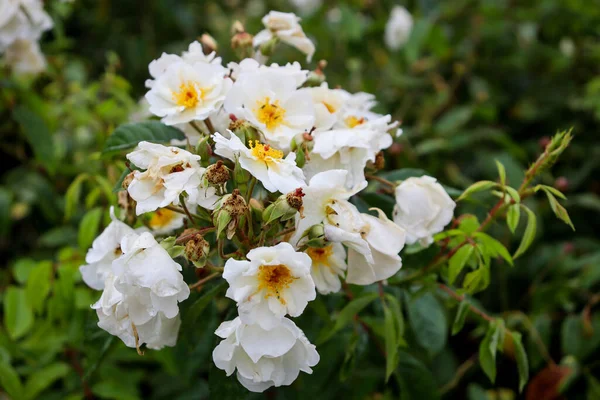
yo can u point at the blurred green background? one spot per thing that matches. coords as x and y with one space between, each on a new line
478 80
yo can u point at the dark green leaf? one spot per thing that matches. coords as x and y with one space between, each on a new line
346 316
417 381
128 136
37 135
194 311
10 381
428 322
5 218
391 345
42 379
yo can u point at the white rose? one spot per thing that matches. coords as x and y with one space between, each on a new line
275 281
423 208
398 28
264 358
285 26
328 265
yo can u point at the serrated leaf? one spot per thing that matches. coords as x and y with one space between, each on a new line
88 228
501 172
458 261
521 359
560 212
428 322
476 187
18 316
346 315
488 349
461 315
529 233
128 136
513 216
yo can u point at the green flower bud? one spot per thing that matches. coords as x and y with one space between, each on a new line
240 175
268 47
204 150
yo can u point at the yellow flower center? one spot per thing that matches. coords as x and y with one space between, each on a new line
270 113
320 255
161 218
188 96
329 107
353 121
274 279
264 152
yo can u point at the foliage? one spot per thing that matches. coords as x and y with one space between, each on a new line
506 300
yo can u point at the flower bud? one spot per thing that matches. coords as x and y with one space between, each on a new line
196 250
316 236
268 47
241 43
239 174
279 209
237 27
244 130
227 214
209 43
217 174
204 150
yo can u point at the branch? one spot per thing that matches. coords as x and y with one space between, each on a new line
460 298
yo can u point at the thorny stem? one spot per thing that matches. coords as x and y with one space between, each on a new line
204 280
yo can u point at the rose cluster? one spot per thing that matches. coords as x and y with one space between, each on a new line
271 159
22 23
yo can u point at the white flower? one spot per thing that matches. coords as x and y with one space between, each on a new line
374 243
324 190
398 28
328 265
264 358
165 221
170 171
113 317
274 282
285 26
193 55
185 92
143 290
328 104
25 57
22 19
270 102
250 69
423 208
105 249
264 162
306 7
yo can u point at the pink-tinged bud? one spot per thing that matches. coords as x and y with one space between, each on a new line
561 183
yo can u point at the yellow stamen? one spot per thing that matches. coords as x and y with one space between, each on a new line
264 152
188 95
329 107
320 255
270 113
353 121
161 218
274 279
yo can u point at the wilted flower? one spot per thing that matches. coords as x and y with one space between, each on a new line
228 212
264 358
286 28
423 208
275 281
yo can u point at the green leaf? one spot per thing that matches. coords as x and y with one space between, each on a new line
501 172
18 316
88 228
428 322
72 195
38 285
513 194
461 314
458 261
128 136
493 247
512 217
38 136
488 348
42 379
576 341
477 280
23 268
5 207
476 187
468 224
119 184
10 382
560 212
346 316
521 358
529 234
391 344
416 380
550 189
